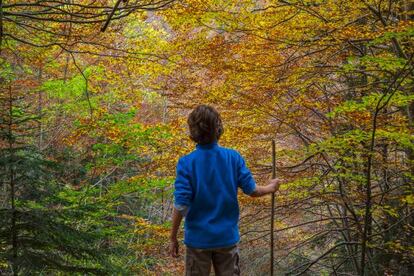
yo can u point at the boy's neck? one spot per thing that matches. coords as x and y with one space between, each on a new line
207 146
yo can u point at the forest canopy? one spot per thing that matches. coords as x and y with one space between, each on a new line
94 97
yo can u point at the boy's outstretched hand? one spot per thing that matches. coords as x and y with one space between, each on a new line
270 188
174 248
274 185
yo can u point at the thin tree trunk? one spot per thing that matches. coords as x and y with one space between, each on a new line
272 215
14 267
1 25
39 110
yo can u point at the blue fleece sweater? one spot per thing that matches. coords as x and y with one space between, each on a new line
206 188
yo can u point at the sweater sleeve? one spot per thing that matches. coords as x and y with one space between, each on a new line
245 178
183 192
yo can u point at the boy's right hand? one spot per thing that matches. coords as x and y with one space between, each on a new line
270 188
274 185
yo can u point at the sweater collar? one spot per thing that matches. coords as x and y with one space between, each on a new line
207 146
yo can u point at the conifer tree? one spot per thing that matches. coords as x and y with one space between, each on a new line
39 227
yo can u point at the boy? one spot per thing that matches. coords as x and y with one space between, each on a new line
206 195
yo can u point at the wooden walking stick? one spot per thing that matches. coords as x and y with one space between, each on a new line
272 216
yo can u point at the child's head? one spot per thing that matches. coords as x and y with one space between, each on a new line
205 124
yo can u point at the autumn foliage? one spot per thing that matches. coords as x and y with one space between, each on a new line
92 124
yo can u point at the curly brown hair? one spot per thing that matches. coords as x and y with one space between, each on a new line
205 124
